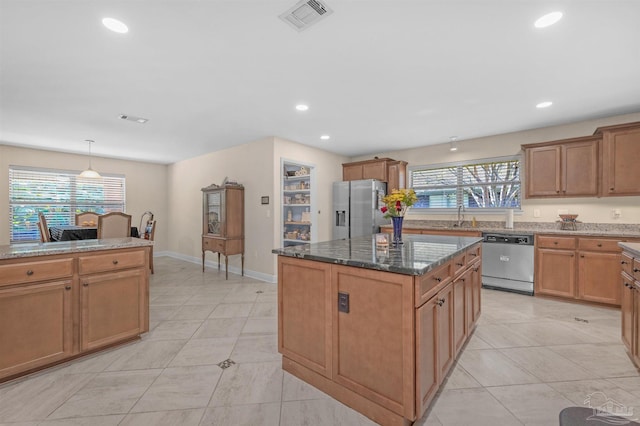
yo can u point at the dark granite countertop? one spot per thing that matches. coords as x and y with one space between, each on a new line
582 229
418 255
633 248
66 247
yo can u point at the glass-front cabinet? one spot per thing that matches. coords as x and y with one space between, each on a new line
223 222
298 204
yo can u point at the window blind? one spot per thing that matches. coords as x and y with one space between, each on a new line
483 184
59 195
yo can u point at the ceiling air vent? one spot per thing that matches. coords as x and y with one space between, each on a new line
305 13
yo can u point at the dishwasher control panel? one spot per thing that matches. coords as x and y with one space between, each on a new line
524 240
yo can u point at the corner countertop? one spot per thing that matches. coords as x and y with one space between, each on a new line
418 255
66 247
582 229
633 248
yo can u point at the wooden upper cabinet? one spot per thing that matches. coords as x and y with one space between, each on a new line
621 159
396 175
393 172
567 168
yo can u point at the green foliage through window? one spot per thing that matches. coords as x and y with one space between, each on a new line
59 194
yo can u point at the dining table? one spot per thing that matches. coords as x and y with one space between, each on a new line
78 232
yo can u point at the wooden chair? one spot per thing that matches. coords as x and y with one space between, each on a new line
148 234
88 217
45 236
114 225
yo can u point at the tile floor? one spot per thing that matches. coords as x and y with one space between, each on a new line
527 359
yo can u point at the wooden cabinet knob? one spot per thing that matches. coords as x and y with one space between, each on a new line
582 255
68 287
612 189
437 279
29 272
85 284
555 242
623 262
115 261
599 244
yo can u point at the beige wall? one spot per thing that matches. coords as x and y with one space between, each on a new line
257 166
589 209
146 184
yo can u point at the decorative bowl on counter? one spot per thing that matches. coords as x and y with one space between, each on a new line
568 217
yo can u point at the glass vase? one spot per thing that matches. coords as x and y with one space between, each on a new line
397 229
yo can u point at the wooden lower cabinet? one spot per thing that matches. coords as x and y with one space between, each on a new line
46 321
386 350
598 275
112 307
582 268
555 273
37 325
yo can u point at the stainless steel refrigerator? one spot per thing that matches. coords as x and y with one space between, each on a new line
356 208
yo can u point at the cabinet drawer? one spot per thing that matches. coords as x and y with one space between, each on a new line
568 243
636 269
430 281
28 272
111 261
627 263
458 263
598 244
213 244
474 254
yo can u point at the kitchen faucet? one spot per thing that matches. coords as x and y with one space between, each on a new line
460 217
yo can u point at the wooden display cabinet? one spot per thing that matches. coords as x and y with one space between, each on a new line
223 222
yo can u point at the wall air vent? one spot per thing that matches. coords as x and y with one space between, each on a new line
133 118
306 13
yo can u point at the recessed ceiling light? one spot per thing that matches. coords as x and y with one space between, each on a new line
548 19
302 107
115 25
325 137
545 104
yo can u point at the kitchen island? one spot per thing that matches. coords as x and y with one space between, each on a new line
378 328
65 299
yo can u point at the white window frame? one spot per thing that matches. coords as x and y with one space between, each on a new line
459 192
23 225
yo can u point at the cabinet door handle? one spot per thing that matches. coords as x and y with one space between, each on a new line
555 242
476 269
599 244
85 284
473 254
582 255
68 287
623 262
459 264
571 254
29 272
437 279
636 270
115 261
612 189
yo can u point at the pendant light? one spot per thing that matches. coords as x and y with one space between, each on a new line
90 173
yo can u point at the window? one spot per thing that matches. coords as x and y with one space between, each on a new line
483 184
59 194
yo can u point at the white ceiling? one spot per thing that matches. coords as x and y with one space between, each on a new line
377 75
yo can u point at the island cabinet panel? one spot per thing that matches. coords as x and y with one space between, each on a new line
427 368
476 284
305 313
112 307
380 317
446 350
459 314
626 309
37 326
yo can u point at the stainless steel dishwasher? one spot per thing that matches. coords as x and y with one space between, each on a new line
507 262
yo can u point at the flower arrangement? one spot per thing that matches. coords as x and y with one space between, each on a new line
398 202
